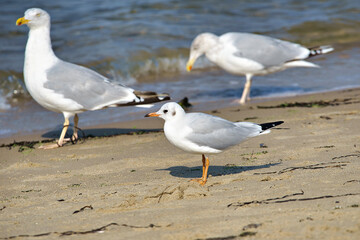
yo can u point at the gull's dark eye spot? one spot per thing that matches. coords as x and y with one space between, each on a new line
165 111
38 14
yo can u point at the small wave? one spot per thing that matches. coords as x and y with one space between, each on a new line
154 69
3 103
161 65
167 66
314 33
11 88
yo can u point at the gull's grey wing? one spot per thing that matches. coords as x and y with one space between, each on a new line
264 50
216 132
86 87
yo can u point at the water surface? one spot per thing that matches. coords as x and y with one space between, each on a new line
145 45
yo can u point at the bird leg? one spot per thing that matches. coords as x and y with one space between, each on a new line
63 132
203 179
246 93
75 137
61 139
205 174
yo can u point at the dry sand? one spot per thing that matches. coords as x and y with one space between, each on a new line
303 183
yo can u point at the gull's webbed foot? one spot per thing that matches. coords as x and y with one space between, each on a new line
199 180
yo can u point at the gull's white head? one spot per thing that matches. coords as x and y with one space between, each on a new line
199 46
168 111
35 17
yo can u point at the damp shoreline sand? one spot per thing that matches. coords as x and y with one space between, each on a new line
301 181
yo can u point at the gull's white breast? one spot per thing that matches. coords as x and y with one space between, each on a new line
176 132
38 59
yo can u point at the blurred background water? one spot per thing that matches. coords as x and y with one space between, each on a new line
144 44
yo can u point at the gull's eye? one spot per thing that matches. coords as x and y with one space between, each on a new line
38 14
165 111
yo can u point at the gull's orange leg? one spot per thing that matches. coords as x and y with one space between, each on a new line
206 164
204 167
61 139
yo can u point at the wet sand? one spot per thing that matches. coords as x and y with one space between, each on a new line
301 181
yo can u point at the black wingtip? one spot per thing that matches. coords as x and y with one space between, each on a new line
164 98
147 98
265 126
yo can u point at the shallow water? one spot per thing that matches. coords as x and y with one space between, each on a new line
144 44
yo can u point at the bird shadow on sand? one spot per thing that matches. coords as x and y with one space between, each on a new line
195 172
84 134
98 132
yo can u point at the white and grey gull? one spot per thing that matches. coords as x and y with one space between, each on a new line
202 133
251 55
67 88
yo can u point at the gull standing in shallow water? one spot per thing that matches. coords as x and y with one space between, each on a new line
251 54
67 88
205 134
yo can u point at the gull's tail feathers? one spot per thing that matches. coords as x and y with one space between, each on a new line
300 63
265 127
314 51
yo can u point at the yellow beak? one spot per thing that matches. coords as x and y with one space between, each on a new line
22 21
153 114
189 64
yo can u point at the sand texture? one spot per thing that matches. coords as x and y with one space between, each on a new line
301 181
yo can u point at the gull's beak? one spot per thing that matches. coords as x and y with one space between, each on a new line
22 21
189 64
153 114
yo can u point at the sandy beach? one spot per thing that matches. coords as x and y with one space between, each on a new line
301 181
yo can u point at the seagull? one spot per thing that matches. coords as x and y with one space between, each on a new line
67 88
202 133
251 55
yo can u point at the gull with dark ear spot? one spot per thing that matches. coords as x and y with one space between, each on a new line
67 88
202 133
251 55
